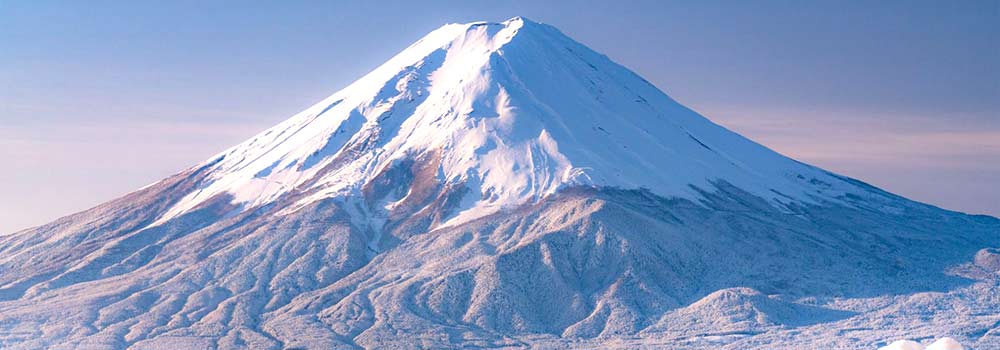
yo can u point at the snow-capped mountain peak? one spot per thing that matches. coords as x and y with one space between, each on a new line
499 185
502 114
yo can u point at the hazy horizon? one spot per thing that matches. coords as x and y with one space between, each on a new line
99 99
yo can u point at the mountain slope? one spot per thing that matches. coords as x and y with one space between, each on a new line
512 112
500 185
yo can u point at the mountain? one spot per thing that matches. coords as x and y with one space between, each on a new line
500 185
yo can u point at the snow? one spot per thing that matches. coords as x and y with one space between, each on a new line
519 111
945 343
499 185
903 345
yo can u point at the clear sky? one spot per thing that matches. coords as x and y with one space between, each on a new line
98 98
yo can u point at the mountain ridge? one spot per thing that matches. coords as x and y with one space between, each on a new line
461 91
499 185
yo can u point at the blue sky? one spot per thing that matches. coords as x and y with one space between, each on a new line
98 98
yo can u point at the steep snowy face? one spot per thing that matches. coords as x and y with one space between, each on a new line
481 116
